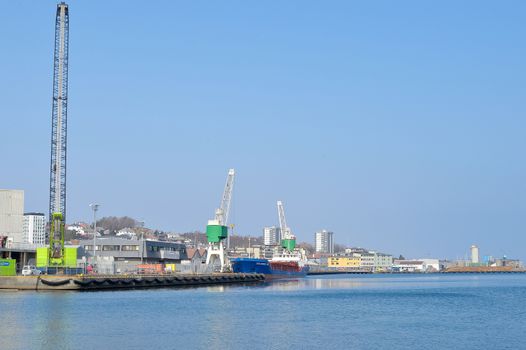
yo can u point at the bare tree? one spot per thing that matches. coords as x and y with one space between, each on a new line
113 224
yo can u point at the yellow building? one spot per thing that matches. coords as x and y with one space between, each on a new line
344 261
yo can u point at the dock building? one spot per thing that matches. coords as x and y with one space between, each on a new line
504 261
367 261
408 266
255 251
416 265
11 216
362 259
12 243
344 262
120 255
382 262
147 251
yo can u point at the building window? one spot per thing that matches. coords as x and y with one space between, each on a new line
110 247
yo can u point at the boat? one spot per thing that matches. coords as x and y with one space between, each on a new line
283 266
287 261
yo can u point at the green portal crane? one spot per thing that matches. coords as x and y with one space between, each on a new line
217 229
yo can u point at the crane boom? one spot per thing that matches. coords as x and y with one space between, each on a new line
288 240
224 207
285 231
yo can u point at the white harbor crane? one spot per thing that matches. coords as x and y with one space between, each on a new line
288 240
217 229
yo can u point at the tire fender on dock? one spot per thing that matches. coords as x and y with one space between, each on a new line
83 283
55 283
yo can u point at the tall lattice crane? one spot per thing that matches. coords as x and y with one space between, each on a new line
288 240
57 189
217 229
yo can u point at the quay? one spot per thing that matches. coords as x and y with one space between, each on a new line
113 282
484 269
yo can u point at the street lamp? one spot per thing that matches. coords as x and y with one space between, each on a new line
94 207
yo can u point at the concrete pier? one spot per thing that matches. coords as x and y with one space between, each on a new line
484 269
112 282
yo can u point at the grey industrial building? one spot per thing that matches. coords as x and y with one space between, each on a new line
11 216
120 249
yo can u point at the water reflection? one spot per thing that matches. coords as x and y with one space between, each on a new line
281 314
11 315
216 289
53 322
35 320
379 281
311 283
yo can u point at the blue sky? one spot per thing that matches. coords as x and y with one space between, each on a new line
398 125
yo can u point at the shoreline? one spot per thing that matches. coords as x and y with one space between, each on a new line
115 282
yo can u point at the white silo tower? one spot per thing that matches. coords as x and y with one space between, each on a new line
474 254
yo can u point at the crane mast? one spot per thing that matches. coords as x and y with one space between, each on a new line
57 196
217 229
288 240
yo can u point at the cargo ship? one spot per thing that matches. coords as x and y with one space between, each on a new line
275 268
287 262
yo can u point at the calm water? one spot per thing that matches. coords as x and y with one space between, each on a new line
344 312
